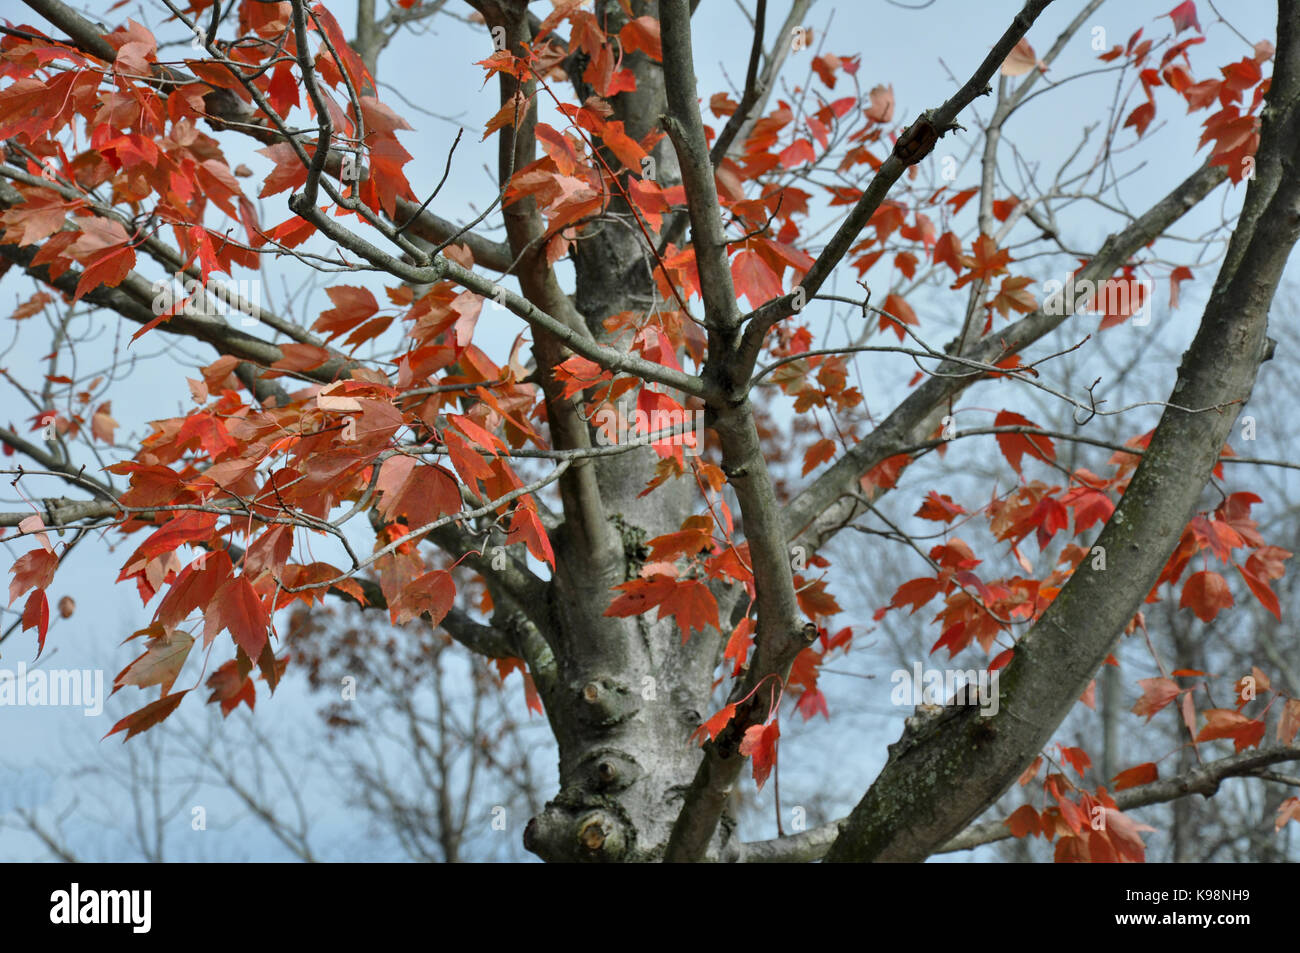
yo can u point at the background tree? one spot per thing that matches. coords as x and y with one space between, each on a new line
415 768
543 509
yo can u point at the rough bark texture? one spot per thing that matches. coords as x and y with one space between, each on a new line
627 693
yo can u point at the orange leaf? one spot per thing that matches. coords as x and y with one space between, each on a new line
102 424
759 743
625 148
526 527
900 310
797 153
817 454
1206 593
1123 833
742 639
1156 694
642 33
1077 758
1226 723
714 725
36 615
1288 810
1014 446
814 600
1030 772
34 570
1266 596
352 306
695 535
578 374
639 595
754 278
1014 295
916 593
148 716
947 251
987 261
693 605
488 441
1138 774
106 271
1024 821
433 592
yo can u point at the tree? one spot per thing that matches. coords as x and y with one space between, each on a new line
632 535
413 770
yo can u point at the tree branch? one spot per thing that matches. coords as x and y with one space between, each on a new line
686 130
813 843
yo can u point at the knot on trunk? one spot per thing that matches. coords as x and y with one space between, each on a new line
579 835
605 702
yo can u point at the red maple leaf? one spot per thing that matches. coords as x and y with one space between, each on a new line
1024 821
754 278
640 595
148 716
34 570
1184 17
526 526
986 261
1014 446
36 615
1156 694
238 609
1226 723
759 743
1206 593
1143 773
107 271
896 313
817 454
715 724
693 605
940 508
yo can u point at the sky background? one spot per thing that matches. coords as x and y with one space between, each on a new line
919 52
